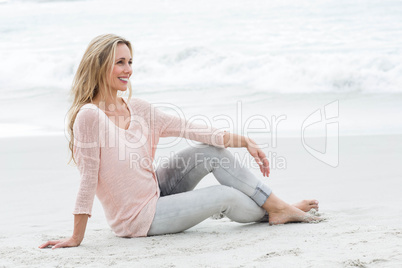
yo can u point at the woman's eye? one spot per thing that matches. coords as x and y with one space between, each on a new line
130 62
119 62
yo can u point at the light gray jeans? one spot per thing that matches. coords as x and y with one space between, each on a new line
239 197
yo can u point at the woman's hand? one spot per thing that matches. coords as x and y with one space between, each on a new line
62 243
259 157
80 223
234 140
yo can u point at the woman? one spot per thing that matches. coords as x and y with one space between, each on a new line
112 139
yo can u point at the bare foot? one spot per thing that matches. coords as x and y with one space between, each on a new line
307 205
281 212
290 214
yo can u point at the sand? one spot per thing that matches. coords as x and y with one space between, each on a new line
360 200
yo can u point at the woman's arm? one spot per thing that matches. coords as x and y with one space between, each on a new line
234 140
87 155
80 224
172 126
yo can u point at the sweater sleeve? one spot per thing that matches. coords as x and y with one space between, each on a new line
87 155
173 126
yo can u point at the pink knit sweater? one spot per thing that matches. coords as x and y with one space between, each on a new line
116 164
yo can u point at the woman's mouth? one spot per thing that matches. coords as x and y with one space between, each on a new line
123 79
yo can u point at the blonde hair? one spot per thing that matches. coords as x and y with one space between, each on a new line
91 77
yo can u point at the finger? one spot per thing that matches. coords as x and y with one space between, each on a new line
49 243
266 172
44 245
60 245
265 161
258 160
266 165
263 171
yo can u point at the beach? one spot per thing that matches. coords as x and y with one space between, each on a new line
359 200
317 84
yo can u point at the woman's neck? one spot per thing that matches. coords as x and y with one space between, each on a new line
112 103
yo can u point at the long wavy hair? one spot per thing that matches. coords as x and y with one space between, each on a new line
91 78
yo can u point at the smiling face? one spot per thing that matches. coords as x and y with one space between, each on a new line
122 70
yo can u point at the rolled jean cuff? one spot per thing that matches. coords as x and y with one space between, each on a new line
262 192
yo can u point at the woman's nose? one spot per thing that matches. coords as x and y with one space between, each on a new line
128 69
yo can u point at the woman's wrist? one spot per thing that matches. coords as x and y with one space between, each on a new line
77 239
248 142
234 140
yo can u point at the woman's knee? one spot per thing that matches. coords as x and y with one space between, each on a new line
207 150
216 152
237 206
228 195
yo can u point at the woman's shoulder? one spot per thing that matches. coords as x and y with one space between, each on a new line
136 101
138 105
88 111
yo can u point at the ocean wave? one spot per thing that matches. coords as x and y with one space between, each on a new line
207 68
203 68
268 46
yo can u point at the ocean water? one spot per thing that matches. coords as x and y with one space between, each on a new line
275 58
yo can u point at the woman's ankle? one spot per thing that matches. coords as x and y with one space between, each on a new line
274 204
